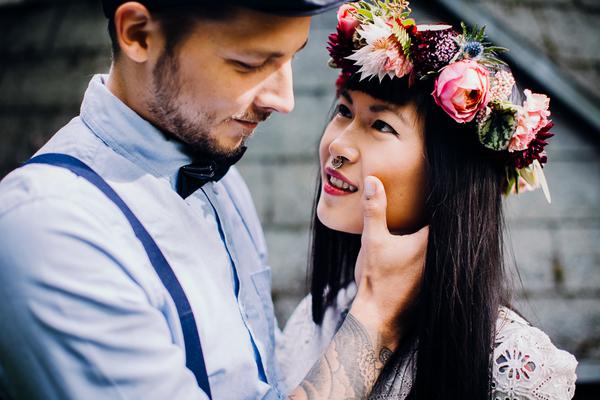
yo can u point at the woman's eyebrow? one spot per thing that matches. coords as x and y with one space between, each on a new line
376 108
347 96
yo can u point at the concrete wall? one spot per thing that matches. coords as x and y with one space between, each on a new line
49 50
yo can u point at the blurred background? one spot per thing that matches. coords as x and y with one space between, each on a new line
50 49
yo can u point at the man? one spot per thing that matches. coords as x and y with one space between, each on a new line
140 273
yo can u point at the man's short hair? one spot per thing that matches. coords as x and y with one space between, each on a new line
176 22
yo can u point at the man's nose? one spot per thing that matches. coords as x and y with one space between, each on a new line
277 93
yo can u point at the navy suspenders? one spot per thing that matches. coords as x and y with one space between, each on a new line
194 358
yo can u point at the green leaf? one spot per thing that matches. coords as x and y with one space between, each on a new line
512 178
496 130
366 13
496 49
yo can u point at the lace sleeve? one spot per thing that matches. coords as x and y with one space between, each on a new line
527 366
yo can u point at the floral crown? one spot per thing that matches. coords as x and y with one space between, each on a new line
472 85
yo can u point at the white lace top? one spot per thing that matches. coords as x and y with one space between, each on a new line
527 366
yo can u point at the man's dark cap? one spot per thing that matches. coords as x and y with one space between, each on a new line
278 7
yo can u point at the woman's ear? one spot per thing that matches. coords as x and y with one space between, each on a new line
136 31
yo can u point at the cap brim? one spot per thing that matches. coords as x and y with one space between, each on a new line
279 8
295 12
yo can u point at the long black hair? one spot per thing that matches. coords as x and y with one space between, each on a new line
452 328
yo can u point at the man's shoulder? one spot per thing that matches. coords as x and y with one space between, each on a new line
44 184
41 198
51 218
34 183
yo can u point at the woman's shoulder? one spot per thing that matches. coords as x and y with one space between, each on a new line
527 364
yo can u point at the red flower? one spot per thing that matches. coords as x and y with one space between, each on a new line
347 22
339 47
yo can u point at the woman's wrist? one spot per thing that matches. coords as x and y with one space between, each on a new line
383 328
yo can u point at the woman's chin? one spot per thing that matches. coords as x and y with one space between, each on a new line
340 223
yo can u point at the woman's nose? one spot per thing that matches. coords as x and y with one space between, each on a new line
342 146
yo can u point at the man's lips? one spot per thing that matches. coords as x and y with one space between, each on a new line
247 124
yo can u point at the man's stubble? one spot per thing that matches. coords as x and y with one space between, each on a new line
193 132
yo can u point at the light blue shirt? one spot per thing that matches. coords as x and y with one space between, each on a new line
84 314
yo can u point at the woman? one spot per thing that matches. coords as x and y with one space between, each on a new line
433 114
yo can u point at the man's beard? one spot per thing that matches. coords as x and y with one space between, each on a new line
193 133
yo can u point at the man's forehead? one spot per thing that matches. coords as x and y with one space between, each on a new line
258 34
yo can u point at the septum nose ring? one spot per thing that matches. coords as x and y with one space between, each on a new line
337 162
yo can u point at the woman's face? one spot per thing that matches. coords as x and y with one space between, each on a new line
374 138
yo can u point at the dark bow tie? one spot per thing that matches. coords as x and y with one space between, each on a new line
193 176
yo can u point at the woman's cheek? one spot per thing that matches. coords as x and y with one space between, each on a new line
405 201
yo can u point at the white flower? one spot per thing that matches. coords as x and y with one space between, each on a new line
382 55
531 178
376 31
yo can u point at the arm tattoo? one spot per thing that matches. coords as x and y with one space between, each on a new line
384 355
349 367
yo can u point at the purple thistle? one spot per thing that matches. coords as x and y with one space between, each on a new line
433 49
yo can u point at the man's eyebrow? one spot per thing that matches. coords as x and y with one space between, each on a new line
273 54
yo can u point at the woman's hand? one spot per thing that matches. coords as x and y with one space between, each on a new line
389 268
388 273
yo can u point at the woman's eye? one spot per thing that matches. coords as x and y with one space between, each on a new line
383 127
343 111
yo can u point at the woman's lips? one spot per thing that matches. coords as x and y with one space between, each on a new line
337 184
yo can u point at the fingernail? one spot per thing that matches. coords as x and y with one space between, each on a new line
370 188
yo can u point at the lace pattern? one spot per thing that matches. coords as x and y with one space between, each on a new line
526 365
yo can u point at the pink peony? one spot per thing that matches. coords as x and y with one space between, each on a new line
462 89
347 22
536 107
522 137
533 116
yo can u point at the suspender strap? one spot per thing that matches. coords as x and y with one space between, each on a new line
193 349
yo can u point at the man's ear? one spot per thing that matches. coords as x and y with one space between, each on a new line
136 31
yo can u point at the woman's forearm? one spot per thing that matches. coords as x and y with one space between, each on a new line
350 365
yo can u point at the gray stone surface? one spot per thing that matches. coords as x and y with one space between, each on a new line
49 52
572 324
294 186
580 259
530 247
565 31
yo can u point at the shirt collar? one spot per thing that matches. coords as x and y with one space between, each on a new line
128 134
